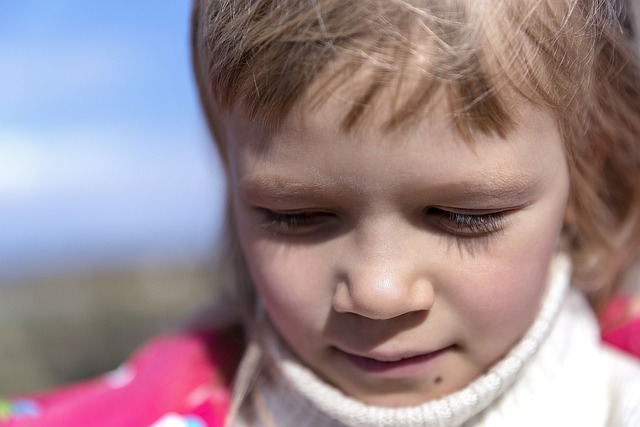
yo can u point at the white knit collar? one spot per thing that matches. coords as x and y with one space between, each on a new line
451 410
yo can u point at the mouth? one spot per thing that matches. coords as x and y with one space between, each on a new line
395 365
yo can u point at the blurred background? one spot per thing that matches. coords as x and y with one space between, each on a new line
110 191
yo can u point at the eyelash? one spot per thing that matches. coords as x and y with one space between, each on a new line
455 223
467 225
292 222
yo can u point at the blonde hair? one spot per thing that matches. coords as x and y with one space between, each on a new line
573 57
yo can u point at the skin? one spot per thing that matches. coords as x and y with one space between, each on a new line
361 268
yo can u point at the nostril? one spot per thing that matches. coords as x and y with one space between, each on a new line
383 299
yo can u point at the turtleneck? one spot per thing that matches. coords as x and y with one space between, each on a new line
510 388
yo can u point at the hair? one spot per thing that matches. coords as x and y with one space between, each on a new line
575 58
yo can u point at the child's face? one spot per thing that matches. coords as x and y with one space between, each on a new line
398 266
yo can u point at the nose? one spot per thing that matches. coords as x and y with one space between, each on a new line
382 278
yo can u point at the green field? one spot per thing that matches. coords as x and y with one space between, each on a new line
65 328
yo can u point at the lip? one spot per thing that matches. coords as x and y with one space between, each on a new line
395 365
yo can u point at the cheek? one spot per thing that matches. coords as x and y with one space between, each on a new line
505 298
499 293
285 279
292 286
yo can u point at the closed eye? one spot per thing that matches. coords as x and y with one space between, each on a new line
294 222
464 224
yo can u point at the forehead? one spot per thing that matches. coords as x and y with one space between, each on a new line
332 100
311 149
369 95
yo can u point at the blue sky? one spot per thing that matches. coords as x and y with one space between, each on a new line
104 156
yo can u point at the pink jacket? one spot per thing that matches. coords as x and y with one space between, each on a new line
173 381
619 331
182 380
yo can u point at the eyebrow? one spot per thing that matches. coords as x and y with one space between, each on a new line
483 191
277 187
499 188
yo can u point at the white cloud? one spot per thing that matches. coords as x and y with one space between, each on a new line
98 160
105 191
19 167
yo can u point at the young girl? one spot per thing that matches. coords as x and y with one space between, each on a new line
428 202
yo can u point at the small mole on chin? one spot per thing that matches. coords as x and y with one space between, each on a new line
437 380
